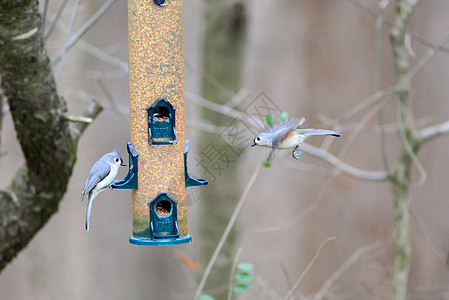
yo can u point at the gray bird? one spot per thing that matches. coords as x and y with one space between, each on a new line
101 176
286 134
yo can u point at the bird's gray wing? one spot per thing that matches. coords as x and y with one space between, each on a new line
98 172
281 130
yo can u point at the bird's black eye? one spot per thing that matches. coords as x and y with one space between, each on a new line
257 138
117 160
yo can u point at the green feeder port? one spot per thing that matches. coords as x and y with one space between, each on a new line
161 122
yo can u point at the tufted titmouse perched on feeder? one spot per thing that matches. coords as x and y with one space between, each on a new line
286 134
101 176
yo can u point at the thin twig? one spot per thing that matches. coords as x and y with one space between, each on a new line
378 80
315 257
224 110
372 99
210 79
428 235
286 275
81 119
415 36
77 128
433 131
83 30
44 14
237 98
342 166
231 277
408 147
388 127
97 52
358 128
69 33
424 59
225 235
405 80
205 127
266 288
55 20
344 267
79 94
103 56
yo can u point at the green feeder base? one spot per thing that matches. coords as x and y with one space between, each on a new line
160 242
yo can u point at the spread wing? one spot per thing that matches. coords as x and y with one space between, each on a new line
98 172
282 129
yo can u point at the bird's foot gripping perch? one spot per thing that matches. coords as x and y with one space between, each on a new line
112 185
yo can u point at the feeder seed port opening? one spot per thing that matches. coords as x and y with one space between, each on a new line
161 123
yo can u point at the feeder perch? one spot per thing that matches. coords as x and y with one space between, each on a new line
190 181
130 180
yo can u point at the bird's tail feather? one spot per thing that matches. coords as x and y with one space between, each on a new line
89 208
307 132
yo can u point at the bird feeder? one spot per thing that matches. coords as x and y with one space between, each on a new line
158 174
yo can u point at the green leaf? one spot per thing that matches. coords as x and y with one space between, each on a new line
244 277
270 120
206 297
266 164
283 116
240 288
246 266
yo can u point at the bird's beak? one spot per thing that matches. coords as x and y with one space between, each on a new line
253 144
123 164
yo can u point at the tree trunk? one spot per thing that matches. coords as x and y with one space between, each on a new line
47 140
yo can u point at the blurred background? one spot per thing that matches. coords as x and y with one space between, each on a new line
311 58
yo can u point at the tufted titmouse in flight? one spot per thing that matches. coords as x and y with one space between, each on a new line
286 134
101 176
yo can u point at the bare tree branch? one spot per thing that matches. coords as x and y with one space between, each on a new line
401 179
342 166
434 131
